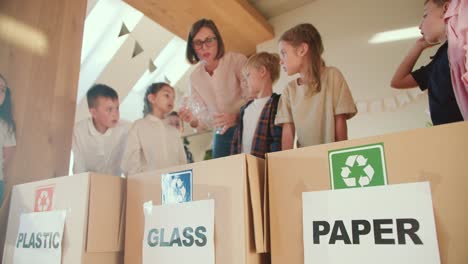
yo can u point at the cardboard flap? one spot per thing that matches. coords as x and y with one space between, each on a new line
266 208
105 215
256 190
122 218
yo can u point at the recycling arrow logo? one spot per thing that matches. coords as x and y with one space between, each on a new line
361 166
43 199
43 202
364 178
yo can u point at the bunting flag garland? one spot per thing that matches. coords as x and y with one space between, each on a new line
390 104
166 80
152 67
123 30
137 49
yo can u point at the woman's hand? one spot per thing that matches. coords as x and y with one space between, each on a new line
225 121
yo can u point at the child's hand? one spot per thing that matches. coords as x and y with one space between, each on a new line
185 114
225 121
422 44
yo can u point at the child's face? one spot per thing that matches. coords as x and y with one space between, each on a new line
255 79
106 112
432 24
3 90
290 61
175 122
163 100
205 45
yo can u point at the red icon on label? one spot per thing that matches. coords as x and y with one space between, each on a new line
44 199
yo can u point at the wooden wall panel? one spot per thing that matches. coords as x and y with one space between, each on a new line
40 49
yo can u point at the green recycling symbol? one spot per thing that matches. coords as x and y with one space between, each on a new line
364 178
357 167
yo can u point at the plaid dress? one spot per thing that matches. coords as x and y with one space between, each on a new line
267 136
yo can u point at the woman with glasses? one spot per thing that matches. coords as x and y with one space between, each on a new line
216 83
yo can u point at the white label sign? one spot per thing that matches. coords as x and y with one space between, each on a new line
384 224
39 238
179 233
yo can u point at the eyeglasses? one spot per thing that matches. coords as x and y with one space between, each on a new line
198 44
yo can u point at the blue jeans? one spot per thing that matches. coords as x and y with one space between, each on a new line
222 143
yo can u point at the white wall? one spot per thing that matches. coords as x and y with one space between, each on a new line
346 27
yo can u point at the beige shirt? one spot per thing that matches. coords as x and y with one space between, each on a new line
224 91
96 152
152 144
7 139
314 115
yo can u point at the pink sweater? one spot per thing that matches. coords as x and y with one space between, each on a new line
457 34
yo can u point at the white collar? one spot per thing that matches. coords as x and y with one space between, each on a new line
94 132
153 118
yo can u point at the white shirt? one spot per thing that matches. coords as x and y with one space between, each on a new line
223 91
96 152
152 144
250 121
7 139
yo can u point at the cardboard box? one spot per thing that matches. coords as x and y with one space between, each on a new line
438 155
95 216
236 184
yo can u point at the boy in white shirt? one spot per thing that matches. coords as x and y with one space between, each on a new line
99 141
256 132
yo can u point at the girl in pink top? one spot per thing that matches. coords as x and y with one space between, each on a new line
216 83
456 18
